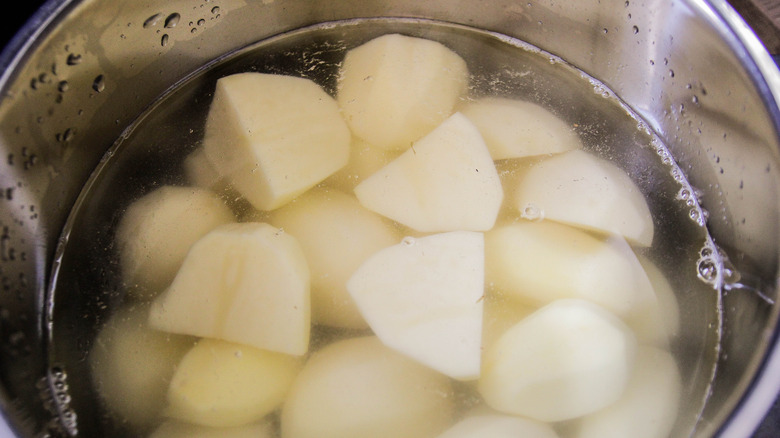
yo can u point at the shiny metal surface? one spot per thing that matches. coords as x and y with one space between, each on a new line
692 69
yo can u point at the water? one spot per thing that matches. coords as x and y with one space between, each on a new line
86 287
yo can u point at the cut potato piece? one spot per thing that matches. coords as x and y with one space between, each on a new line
423 298
647 408
498 426
273 136
445 182
567 359
131 365
577 188
501 312
178 429
659 320
538 262
151 240
336 234
516 129
359 388
246 283
364 160
199 172
223 384
395 89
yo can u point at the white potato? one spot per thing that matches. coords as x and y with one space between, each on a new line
178 429
336 234
358 388
394 89
647 408
244 282
567 359
516 129
200 172
274 136
158 229
500 313
656 322
498 426
538 262
423 298
131 365
364 160
445 182
580 189
223 384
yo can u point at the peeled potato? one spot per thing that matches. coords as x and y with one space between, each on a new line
178 429
423 298
223 384
364 160
516 129
567 359
273 137
200 172
579 189
538 262
131 365
498 426
647 408
151 240
445 182
336 234
394 89
658 320
245 283
359 388
500 313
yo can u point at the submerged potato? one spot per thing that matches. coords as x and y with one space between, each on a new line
359 388
498 426
394 89
178 429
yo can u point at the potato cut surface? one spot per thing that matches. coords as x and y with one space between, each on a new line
152 241
445 182
364 160
657 321
395 89
580 189
178 429
223 384
516 129
358 388
247 283
273 136
567 359
423 298
336 234
498 426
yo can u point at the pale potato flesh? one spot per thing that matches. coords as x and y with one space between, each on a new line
178 429
498 426
246 283
223 384
395 89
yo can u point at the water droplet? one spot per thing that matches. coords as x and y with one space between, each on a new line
695 99
671 73
215 10
532 212
201 22
635 29
63 86
99 83
409 241
73 59
707 270
172 20
605 30
151 21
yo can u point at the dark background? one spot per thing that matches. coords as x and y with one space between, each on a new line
762 15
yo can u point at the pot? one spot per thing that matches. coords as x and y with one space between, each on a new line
80 72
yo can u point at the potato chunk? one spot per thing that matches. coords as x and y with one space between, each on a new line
423 298
152 240
567 359
394 89
658 321
131 365
246 283
445 182
223 384
579 189
516 129
178 429
273 136
498 426
359 388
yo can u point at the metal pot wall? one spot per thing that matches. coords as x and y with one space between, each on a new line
81 71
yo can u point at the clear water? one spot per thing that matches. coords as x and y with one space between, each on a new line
86 286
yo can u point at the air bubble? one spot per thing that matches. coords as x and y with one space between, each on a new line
172 20
707 270
201 22
63 86
532 212
635 29
215 10
99 83
409 241
151 21
73 59
164 40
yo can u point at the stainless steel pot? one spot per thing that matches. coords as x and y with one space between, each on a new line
81 71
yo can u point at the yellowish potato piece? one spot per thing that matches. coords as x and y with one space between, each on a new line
359 388
152 240
336 234
178 429
516 129
364 160
567 359
131 365
500 313
498 426
423 298
538 262
394 89
647 408
273 137
200 172
445 182
223 384
580 189
658 321
246 283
